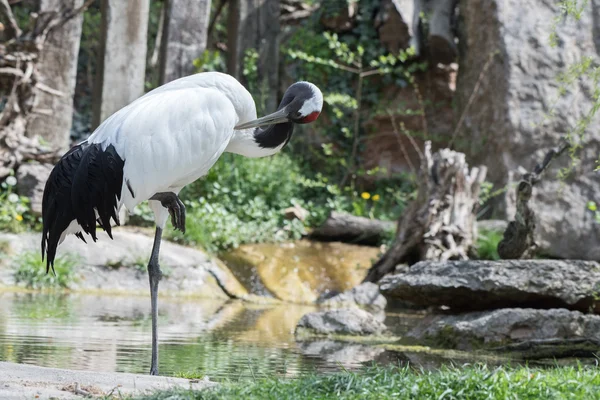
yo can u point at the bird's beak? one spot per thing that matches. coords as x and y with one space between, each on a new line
276 118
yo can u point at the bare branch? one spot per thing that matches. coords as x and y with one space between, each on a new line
13 30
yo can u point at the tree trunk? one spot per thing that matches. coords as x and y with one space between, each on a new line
122 60
58 61
24 86
254 24
440 223
442 48
184 37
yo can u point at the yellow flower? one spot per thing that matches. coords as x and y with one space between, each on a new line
365 195
376 197
19 217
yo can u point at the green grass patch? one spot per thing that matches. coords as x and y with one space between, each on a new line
31 271
467 382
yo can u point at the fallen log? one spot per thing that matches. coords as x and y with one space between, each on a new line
348 228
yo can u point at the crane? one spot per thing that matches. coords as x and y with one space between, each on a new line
152 148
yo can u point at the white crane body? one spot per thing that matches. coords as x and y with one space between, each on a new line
152 148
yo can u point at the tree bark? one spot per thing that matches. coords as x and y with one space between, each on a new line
58 61
122 59
351 229
184 37
22 82
254 24
440 223
518 239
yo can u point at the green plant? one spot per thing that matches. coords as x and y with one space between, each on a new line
31 271
487 245
470 381
15 214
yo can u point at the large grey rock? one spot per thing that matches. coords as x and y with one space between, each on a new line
508 124
351 321
365 295
509 326
496 284
31 179
21 381
119 265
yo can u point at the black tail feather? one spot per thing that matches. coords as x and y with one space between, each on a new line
87 180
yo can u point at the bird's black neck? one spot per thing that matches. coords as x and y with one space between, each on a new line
274 136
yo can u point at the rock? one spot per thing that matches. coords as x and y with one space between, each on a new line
350 321
20 381
365 295
31 179
518 114
509 326
119 265
295 212
299 272
480 285
344 353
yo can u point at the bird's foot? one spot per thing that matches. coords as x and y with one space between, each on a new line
173 203
154 370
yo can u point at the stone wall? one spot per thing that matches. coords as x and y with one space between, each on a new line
517 114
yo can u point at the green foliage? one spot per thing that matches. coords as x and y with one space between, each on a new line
487 245
591 205
31 271
210 60
466 382
15 213
241 201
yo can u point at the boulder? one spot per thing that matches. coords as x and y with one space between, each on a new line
477 285
365 295
350 321
119 265
563 332
31 179
518 113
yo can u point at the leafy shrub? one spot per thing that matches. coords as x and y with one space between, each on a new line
31 271
15 213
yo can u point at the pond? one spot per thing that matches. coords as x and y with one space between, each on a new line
220 339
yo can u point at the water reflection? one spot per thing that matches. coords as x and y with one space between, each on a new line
112 333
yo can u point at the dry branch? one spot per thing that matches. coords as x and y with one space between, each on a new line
518 237
440 223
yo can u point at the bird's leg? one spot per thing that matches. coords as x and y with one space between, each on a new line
154 275
171 202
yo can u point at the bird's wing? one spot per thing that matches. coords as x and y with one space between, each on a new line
168 138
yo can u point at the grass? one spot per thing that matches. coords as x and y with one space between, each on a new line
468 382
31 271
